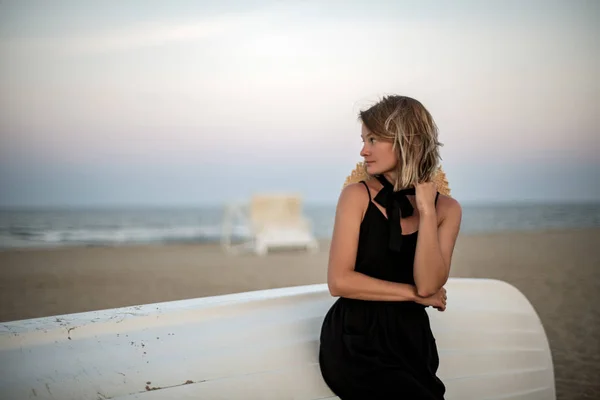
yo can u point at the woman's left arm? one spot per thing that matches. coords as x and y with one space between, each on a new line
435 244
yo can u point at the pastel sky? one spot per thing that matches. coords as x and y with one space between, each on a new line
195 102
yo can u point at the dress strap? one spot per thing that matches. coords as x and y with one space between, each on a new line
368 191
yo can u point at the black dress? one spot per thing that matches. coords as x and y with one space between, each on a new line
380 349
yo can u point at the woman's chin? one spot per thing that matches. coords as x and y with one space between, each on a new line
371 169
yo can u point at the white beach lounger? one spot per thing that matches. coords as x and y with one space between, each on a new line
273 222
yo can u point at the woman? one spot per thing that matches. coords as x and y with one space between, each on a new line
390 255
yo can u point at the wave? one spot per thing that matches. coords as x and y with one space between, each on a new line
116 236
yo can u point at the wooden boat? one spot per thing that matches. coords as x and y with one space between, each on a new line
262 345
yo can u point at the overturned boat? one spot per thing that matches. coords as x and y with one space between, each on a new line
262 345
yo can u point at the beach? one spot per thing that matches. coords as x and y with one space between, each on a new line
556 269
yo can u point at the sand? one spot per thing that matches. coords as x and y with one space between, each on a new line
557 270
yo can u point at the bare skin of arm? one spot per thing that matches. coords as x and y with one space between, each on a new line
342 279
435 246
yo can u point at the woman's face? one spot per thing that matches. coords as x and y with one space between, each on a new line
379 155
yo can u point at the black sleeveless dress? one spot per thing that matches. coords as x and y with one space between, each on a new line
380 349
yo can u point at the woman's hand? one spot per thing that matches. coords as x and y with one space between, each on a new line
425 193
438 300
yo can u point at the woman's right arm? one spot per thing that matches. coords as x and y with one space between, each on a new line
342 279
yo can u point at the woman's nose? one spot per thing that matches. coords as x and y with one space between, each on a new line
363 151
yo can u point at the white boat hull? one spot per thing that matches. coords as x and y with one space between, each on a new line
262 345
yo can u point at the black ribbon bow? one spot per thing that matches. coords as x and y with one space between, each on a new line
396 206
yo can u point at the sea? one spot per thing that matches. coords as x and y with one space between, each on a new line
56 227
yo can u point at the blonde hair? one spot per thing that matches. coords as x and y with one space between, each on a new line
411 128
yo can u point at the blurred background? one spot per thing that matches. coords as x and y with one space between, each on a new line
162 111
128 125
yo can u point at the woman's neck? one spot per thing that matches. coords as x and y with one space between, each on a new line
390 176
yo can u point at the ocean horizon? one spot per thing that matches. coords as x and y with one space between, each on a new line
58 226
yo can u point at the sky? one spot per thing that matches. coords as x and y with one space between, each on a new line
169 103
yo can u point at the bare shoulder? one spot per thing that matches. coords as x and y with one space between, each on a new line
449 207
354 194
353 199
